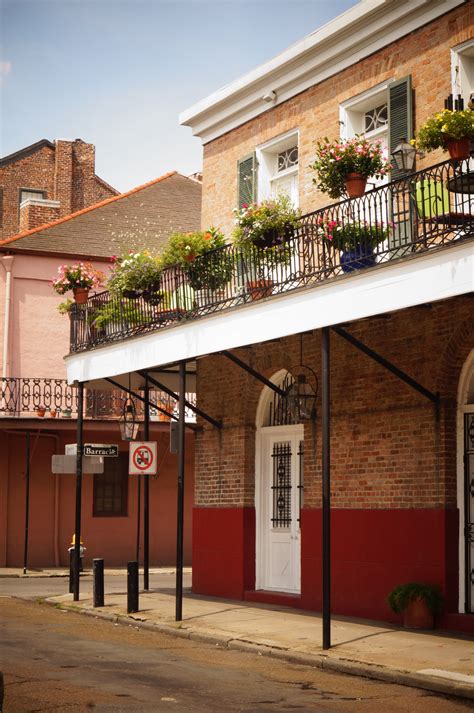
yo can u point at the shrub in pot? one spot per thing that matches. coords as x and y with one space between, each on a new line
448 130
201 258
135 274
418 602
79 278
343 166
355 240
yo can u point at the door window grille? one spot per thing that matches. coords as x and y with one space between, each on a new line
281 488
278 412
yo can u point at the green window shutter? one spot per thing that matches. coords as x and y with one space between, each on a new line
400 115
247 180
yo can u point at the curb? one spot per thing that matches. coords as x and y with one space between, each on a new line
323 661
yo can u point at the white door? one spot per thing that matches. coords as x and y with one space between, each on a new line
286 185
278 509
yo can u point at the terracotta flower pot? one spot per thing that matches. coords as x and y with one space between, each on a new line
459 148
260 288
417 615
80 295
40 411
355 184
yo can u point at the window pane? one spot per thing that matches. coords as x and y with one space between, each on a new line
111 487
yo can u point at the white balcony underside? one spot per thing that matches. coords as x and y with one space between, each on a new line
436 275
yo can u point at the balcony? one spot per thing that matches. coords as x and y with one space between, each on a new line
426 211
45 398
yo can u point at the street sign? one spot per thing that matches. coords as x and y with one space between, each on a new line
67 464
106 450
142 458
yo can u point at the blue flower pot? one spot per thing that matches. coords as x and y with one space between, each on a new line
360 256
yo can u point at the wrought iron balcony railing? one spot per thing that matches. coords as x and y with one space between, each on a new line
422 211
55 398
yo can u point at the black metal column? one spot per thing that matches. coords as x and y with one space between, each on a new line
180 523
326 487
139 514
146 499
77 528
27 500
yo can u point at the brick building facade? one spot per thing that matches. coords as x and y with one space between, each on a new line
46 181
384 458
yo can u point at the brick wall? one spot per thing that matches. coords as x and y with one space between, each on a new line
65 172
383 440
425 54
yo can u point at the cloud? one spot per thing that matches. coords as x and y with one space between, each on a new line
5 69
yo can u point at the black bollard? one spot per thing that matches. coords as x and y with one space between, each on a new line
98 572
71 570
132 587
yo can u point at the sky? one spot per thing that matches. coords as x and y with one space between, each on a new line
117 73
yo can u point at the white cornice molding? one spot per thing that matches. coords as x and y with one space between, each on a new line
363 29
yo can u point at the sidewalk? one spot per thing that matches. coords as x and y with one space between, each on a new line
435 661
64 572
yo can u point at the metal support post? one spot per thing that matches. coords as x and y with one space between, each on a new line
71 570
27 501
180 523
77 528
98 572
132 587
326 487
139 513
146 500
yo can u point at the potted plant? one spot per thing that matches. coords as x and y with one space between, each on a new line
354 240
66 413
40 411
65 307
448 130
116 314
79 278
201 258
419 603
136 274
343 166
262 233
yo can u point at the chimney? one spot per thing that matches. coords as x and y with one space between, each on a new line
36 211
83 175
63 175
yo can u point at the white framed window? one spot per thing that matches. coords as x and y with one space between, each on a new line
278 167
367 114
462 70
31 194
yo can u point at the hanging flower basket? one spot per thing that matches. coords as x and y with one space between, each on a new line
355 184
81 295
448 130
459 149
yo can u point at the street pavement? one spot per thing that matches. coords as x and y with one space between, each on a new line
58 660
430 660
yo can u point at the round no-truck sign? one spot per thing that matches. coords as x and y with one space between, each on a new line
142 458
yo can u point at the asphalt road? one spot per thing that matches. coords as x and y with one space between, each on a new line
54 660
34 587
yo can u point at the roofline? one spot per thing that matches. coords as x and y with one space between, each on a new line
90 208
62 254
26 151
355 34
107 185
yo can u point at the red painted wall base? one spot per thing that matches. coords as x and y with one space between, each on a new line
372 551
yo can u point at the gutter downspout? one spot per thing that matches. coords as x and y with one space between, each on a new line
7 262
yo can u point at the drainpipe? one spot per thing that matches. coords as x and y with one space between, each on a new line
7 262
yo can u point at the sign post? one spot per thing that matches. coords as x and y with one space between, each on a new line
142 458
